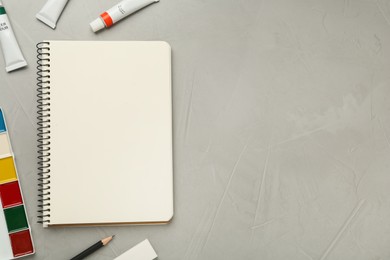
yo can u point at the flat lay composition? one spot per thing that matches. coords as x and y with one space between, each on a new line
194 129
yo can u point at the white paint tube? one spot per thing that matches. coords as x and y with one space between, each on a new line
118 12
51 11
13 56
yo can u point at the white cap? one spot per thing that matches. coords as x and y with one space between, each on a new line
97 25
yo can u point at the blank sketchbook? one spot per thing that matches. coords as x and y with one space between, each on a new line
105 133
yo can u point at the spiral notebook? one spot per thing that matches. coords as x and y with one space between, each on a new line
104 133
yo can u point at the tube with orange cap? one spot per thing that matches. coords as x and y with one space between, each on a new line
118 12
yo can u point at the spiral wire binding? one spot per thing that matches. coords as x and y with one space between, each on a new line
43 78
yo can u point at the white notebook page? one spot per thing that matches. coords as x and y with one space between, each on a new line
111 132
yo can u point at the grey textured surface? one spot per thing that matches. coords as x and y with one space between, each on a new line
281 127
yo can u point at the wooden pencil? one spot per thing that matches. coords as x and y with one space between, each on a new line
93 248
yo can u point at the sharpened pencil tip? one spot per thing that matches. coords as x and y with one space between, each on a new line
107 240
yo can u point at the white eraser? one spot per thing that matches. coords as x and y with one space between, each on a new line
142 251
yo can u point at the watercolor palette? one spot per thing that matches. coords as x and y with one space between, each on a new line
15 233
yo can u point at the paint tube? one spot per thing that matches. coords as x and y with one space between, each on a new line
51 11
12 54
118 12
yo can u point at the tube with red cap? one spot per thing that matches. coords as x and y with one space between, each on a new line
118 12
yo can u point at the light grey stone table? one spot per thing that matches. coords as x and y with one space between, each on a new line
281 127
